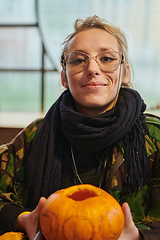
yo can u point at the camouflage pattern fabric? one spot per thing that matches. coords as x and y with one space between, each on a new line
144 204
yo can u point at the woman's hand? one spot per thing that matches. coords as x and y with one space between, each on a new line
130 232
30 222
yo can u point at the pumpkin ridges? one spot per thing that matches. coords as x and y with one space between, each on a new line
78 223
104 208
119 218
93 213
60 218
83 212
69 211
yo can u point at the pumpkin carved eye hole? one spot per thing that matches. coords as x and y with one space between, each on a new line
82 195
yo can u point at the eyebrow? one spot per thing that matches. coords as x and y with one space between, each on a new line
107 49
101 50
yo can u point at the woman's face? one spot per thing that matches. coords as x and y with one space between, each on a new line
93 90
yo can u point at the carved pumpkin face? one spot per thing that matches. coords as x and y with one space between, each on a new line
81 212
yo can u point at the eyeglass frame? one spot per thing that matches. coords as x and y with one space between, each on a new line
63 60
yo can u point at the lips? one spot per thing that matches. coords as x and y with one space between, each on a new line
94 85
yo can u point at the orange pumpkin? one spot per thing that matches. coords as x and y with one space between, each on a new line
81 212
11 236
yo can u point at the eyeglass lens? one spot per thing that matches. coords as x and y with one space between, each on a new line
107 61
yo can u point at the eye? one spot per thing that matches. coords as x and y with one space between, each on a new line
76 58
106 59
77 61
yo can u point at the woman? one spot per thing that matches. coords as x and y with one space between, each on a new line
95 133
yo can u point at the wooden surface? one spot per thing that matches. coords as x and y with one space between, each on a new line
7 134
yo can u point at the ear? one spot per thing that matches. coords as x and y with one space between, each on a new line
127 75
64 79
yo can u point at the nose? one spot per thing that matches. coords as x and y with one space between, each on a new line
92 67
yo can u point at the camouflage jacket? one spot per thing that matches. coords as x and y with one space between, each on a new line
144 204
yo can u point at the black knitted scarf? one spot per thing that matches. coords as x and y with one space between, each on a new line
125 123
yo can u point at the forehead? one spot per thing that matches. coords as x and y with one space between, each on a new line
93 40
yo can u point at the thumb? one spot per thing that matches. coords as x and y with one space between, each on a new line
40 205
127 214
41 202
130 231
37 212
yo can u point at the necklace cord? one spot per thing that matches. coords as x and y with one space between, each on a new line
77 174
75 167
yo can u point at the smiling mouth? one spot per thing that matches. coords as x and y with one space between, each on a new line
94 85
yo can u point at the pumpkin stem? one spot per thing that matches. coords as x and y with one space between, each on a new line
82 195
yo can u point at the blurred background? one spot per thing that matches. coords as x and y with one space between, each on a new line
31 37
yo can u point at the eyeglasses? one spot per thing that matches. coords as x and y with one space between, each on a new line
77 61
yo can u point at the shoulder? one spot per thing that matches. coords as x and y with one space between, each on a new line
153 123
31 130
23 138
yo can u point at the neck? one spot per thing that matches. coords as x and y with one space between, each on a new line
96 111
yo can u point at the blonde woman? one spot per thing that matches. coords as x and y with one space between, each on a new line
95 133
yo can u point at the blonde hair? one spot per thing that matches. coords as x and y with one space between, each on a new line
96 22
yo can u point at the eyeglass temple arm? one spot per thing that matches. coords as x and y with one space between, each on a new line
122 59
62 59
